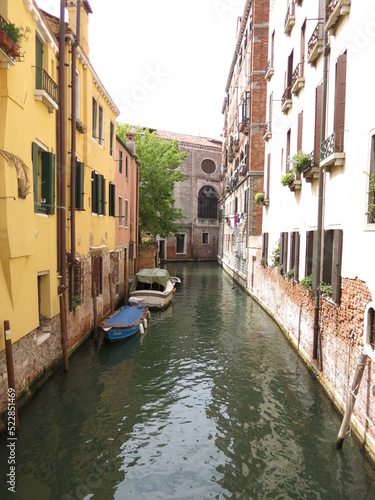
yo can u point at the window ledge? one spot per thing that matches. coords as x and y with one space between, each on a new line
267 136
42 336
269 74
298 85
315 52
287 105
332 161
311 174
41 95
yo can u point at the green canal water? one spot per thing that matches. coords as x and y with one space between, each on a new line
212 402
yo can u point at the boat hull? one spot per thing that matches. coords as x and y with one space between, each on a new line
154 299
124 323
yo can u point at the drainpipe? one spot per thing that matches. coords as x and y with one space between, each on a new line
321 195
62 189
74 135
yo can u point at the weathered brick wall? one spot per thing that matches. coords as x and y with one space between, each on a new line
341 328
148 256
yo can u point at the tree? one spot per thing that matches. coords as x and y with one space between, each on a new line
158 161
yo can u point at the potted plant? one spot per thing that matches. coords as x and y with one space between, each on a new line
11 37
287 179
259 198
301 162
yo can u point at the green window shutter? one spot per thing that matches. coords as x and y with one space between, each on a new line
48 181
94 193
99 193
34 154
38 63
79 185
113 199
103 211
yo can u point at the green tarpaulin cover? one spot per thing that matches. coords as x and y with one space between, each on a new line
150 276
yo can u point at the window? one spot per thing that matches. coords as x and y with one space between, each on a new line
38 63
101 126
97 274
98 193
126 168
208 166
43 180
44 291
79 185
119 211
283 253
294 255
371 185
112 199
180 243
204 238
126 212
94 119
120 160
310 256
332 261
111 138
207 203
264 249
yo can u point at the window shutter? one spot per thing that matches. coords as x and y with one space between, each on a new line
38 63
104 199
296 256
327 257
112 199
99 190
94 193
48 181
291 255
300 131
247 156
79 185
340 91
313 244
34 154
336 265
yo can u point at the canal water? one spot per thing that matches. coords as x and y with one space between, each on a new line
212 402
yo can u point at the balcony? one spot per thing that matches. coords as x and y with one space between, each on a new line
46 90
267 131
335 11
245 126
269 70
290 18
332 151
315 45
312 171
286 100
298 78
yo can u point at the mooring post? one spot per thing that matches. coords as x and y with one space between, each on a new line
351 400
111 292
95 308
10 368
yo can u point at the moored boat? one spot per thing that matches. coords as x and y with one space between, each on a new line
154 286
125 322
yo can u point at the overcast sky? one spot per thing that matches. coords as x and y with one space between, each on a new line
165 63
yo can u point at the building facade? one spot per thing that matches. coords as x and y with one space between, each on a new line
198 197
312 273
244 112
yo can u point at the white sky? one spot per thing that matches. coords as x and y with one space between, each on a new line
165 63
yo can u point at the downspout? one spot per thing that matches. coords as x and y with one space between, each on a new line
62 177
321 195
74 135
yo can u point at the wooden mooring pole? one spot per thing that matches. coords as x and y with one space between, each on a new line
352 396
95 307
12 398
111 292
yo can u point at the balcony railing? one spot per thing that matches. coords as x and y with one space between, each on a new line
335 10
290 18
298 78
269 71
332 151
267 131
315 44
286 100
46 90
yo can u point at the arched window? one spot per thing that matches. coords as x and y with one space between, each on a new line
207 203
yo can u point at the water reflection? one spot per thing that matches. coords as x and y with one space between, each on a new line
212 402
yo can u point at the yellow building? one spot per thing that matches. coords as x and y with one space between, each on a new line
50 247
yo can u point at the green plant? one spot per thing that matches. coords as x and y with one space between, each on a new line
290 274
287 179
301 161
306 282
371 192
325 290
259 198
276 255
76 301
17 33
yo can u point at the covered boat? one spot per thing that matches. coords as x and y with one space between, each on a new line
125 322
154 286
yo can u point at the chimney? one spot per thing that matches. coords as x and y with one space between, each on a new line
85 11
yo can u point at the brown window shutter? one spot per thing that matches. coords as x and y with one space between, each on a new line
327 257
291 256
336 265
296 256
340 91
300 131
318 123
314 237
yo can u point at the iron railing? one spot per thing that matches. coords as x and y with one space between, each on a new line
290 12
269 65
286 95
333 144
298 72
46 83
315 37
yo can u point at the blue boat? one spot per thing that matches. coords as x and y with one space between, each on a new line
124 323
